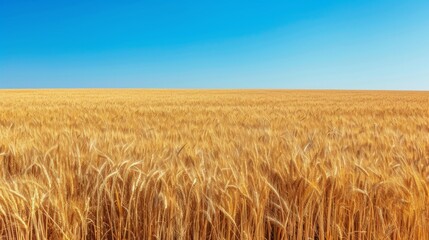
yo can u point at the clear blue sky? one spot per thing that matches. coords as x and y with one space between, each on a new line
368 44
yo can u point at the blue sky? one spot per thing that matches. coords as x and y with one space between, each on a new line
364 44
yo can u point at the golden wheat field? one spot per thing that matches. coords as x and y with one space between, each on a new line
219 164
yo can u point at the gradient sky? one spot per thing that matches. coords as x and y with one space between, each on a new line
368 44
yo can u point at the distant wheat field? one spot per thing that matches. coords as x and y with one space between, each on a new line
200 164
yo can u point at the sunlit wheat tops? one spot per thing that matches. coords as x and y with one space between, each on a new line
153 164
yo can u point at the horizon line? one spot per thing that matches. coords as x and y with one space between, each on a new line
212 89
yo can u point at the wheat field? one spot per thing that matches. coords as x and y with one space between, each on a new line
218 164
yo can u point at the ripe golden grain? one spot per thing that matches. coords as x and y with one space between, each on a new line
164 164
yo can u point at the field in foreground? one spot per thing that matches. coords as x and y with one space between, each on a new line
154 164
